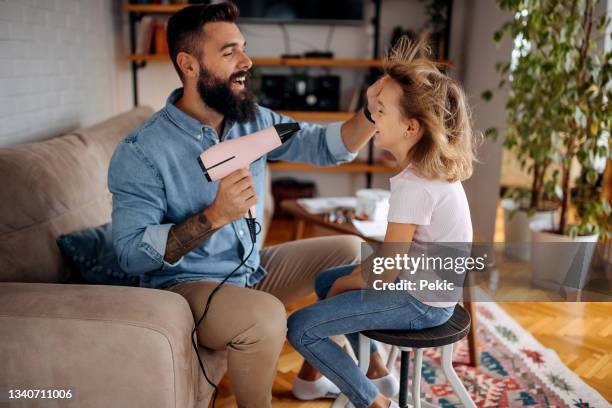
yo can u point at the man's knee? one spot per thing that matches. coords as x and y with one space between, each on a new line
268 323
273 320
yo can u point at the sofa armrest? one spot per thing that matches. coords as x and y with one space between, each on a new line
114 346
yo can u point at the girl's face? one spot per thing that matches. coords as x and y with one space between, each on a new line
394 132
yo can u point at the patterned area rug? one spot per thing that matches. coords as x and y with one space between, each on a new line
515 370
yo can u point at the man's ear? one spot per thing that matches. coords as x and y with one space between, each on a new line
188 65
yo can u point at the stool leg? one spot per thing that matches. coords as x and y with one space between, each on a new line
404 367
472 341
416 378
343 342
453 378
341 402
364 353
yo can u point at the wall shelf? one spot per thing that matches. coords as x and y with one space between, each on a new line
291 62
153 8
356 166
318 116
278 61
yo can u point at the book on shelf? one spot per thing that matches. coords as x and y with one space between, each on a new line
151 36
161 32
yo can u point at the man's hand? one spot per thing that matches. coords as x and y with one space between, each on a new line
236 194
373 92
357 131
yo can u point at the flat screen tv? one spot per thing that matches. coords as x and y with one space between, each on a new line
301 11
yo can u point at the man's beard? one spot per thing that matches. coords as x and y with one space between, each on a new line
217 94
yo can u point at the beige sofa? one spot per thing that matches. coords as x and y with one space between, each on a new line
114 346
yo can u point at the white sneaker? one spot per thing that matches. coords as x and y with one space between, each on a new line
310 390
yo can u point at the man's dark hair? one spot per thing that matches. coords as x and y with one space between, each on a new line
185 27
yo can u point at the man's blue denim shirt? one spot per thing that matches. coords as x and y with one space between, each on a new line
156 182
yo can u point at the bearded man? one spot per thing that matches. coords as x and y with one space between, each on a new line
177 231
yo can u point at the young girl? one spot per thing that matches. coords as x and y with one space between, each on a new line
422 118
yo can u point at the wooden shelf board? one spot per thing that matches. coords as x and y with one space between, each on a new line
153 8
291 62
354 167
277 61
318 62
148 57
316 116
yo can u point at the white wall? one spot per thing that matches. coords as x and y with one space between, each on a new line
57 67
477 56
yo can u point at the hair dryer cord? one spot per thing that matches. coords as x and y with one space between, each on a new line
252 223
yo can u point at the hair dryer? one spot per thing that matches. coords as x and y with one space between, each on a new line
223 158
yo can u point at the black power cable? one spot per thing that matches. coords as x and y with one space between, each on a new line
206 307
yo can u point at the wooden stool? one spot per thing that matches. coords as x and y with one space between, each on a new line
456 328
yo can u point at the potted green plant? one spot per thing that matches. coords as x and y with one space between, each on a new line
570 100
437 12
522 206
528 134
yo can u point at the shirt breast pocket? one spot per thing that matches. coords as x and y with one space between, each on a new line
257 167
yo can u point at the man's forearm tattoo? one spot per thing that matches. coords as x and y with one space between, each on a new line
183 237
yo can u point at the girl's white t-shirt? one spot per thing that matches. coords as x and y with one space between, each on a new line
439 209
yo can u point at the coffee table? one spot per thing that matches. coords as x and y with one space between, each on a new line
302 217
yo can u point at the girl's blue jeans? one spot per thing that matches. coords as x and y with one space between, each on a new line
349 313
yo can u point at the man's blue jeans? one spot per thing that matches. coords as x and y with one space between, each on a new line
309 329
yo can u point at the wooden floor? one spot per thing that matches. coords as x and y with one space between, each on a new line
580 333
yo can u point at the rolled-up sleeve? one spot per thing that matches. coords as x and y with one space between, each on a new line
320 145
154 242
139 205
335 144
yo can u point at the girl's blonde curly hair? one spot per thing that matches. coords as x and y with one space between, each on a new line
447 148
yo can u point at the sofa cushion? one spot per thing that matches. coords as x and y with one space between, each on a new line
114 346
91 253
55 187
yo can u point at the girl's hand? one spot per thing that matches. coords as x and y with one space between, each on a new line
346 283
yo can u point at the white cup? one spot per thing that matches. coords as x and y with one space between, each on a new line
372 204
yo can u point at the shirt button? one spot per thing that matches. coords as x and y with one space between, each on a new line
241 232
